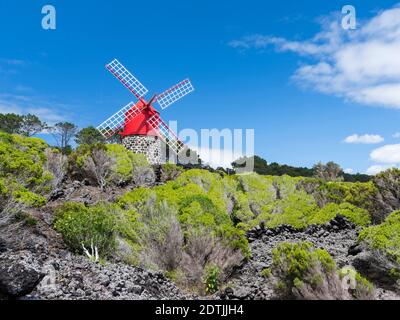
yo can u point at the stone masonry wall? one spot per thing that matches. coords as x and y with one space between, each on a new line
150 146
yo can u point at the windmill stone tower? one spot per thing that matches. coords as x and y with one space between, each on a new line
139 124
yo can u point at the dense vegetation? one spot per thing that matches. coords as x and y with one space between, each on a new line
193 225
385 237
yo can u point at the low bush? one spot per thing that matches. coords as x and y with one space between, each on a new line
161 237
206 262
211 279
384 237
87 226
354 214
110 164
170 171
304 272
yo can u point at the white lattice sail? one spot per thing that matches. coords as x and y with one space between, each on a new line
168 136
127 78
177 92
109 127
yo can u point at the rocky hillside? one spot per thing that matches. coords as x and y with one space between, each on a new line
101 223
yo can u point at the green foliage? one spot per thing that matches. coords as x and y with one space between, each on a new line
3 187
89 135
21 169
358 194
354 214
212 279
292 263
29 198
27 125
22 158
296 210
31 125
384 237
124 162
230 205
199 199
266 273
80 225
10 123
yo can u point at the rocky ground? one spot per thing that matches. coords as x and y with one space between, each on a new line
338 237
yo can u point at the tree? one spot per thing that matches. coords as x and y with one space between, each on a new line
10 123
328 172
31 125
63 132
89 135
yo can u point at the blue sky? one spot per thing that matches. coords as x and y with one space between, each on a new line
246 62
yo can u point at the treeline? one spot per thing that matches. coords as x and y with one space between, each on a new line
64 133
329 171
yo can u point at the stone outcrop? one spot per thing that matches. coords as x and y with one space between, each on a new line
19 273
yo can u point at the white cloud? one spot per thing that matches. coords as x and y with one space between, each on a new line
387 154
364 139
362 65
348 170
24 105
377 168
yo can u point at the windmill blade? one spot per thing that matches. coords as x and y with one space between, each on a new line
127 79
166 134
172 95
109 127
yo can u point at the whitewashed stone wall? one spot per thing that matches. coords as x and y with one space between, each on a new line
150 146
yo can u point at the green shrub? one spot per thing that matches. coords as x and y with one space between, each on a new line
125 163
303 272
358 194
198 197
266 272
21 162
28 198
294 263
212 279
125 167
356 215
80 225
296 210
384 237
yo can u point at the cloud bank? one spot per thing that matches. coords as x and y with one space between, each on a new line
359 65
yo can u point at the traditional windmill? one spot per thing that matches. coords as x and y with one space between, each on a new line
142 128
